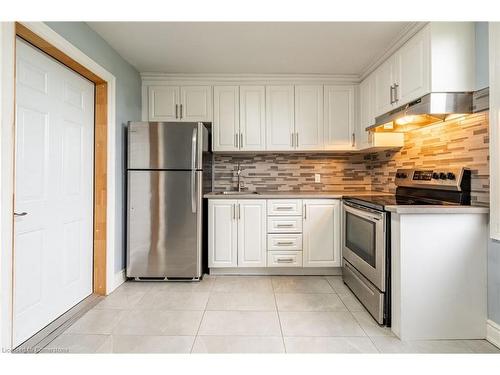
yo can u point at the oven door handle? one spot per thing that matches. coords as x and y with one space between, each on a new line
363 212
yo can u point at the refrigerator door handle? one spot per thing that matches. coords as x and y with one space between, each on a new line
193 168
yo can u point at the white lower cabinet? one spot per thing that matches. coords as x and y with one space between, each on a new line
251 233
321 233
222 233
237 233
255 233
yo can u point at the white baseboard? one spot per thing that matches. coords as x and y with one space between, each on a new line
493 332
119 279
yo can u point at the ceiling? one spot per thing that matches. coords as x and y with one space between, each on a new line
251 47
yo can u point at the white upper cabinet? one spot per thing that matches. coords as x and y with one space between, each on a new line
366 113
226 125
439 58
412 69
196 103
180 103
252 118
309 117
163 103
383 81
339 117
321 233
280 130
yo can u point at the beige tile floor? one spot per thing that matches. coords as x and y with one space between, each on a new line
240 314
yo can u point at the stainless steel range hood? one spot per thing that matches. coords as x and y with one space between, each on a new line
427 110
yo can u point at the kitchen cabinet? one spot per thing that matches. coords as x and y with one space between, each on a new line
237 233
384 80
180 103
239 118
222 233
163 103
339 121
366 140
412 69
251 233
321 233
280 122
439 58
309 117
252 118
226 127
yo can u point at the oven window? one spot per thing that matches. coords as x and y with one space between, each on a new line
360 237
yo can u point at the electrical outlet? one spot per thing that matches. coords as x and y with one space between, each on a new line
317 178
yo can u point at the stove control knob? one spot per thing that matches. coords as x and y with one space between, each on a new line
451 176
435 176
442 176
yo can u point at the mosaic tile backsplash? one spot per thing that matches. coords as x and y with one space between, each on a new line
462 142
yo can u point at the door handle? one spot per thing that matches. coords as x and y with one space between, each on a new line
305 211
180 112
236 140
18 214
177 111
297 139
396 94
194 141
353 139
239 211
241 140
392 94
292 139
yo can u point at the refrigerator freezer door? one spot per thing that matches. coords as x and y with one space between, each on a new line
164 224
165 145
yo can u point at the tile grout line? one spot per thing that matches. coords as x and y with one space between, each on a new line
203 315
279 317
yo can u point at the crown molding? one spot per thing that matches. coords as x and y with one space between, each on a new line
151 78
402 38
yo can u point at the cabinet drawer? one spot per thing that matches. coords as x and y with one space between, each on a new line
284 259
284 207
284 224
284 242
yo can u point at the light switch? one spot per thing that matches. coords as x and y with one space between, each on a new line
317 177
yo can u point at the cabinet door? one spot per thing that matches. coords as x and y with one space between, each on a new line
251 233
309 117
252 118
196 103
339 118
163 103
279 117
226 118
222 233
383 80
366 116
321 234
412 73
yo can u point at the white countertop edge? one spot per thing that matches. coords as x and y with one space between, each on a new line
429 209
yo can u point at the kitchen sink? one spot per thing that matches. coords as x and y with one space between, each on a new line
237 192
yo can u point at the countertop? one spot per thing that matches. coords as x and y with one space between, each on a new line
398 209
431 209
293 195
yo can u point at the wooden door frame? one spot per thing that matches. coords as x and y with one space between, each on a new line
47 40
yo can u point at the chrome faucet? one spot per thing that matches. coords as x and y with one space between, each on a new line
240 184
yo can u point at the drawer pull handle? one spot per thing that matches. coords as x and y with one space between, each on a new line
284 243
284 260
284 225
284 208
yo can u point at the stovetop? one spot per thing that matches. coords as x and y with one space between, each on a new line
422 187
379 202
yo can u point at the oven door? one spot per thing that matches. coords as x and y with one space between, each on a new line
364 242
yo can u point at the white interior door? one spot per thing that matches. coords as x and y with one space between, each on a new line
53 186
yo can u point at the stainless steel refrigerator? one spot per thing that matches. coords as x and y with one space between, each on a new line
168 170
